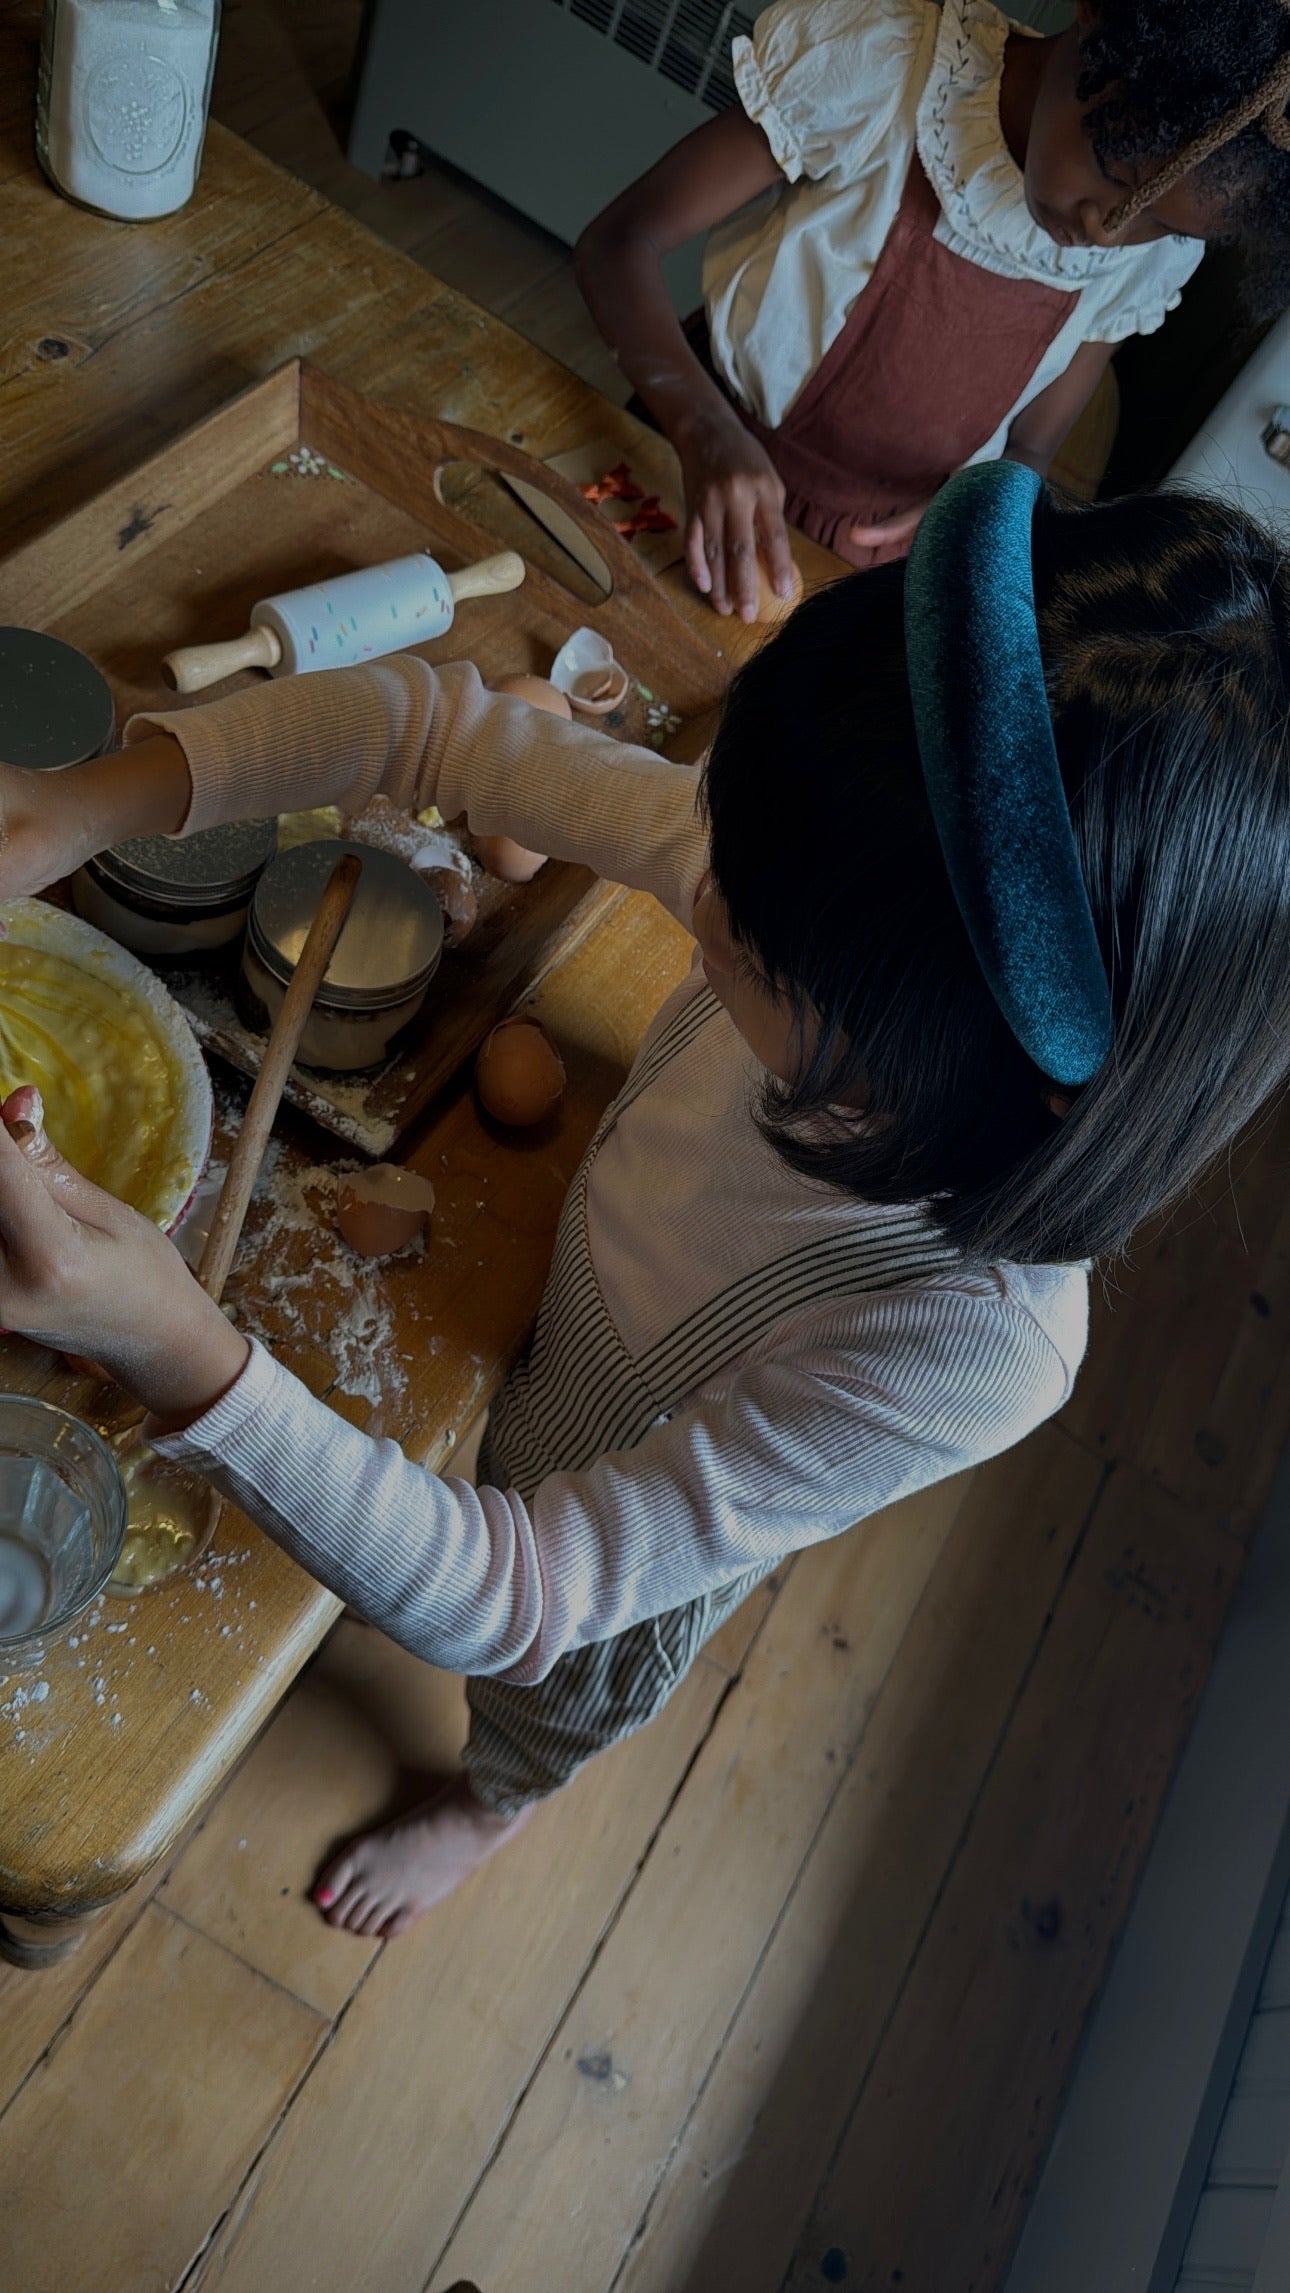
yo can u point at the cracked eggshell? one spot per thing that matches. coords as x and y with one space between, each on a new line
381 1210
585 669
519 1074
539 692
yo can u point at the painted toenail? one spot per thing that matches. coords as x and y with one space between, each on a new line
326 1897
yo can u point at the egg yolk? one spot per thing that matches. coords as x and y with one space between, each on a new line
111 1090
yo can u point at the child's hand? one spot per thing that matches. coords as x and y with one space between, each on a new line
44 829
902 527
51 822
81 1272
735 499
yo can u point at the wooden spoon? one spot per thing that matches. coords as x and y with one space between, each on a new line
171 1508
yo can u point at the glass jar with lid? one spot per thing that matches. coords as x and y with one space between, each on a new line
383 964
177 897
122 101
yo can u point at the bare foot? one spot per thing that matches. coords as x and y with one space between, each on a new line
386 1879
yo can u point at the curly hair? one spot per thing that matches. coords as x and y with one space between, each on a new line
1158 73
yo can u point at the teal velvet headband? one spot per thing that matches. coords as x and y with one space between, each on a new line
986 742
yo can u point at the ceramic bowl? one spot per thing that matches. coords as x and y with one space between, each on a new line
34 923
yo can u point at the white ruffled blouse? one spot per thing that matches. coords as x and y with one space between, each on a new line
846 90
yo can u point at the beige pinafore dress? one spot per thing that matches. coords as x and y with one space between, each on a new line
579 1393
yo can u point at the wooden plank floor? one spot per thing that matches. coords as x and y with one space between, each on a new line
783 1993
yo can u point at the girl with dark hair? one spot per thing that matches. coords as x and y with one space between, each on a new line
927 231
989 875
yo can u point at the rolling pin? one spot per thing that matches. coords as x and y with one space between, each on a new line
355 617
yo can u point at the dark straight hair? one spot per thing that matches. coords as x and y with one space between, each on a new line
1165 630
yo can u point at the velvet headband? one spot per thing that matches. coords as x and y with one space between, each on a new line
985 738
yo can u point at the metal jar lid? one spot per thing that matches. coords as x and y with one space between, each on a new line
392 940
216 868
56 708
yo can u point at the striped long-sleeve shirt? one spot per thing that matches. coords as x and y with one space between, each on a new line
731 1362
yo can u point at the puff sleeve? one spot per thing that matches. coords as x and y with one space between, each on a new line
828 80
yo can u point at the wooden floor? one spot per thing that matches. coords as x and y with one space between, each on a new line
785 1991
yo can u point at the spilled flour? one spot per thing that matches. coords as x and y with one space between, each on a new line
360 1336
354 1109
85 1675
312 1291
338 1319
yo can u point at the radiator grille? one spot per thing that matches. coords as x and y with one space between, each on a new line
685 41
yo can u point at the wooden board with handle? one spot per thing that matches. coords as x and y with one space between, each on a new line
177 554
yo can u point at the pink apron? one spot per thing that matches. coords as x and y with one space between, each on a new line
933 357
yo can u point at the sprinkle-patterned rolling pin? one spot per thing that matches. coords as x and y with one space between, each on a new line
355 617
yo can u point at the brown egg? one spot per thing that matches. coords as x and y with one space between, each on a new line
502 856
771 608
539 692
456 896
382 1209
519 1074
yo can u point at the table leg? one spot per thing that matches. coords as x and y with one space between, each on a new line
44 1942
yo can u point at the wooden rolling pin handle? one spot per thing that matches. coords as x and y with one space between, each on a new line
194 667
280 1050
492 577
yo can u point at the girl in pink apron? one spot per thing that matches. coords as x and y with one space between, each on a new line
928 229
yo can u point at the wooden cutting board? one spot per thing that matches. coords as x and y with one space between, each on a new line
179 552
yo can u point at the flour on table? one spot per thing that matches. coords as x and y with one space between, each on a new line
328 1297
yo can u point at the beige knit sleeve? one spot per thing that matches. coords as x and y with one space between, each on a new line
435 736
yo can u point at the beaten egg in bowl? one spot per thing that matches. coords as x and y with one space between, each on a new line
125 1090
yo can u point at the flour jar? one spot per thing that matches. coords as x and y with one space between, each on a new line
122 100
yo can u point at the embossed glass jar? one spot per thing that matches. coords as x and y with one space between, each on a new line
122 101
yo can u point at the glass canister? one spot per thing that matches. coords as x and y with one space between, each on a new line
176 897
385 958
122 100
62 1522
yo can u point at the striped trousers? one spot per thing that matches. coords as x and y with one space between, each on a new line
526 1742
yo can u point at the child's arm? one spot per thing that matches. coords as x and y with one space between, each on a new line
734 495
52 822
1041 427
86 1274
785 1451
419 735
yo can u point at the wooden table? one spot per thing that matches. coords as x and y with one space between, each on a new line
115 338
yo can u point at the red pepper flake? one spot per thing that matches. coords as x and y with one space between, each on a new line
617 485
649 518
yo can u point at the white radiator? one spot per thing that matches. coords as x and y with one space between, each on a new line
556 105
